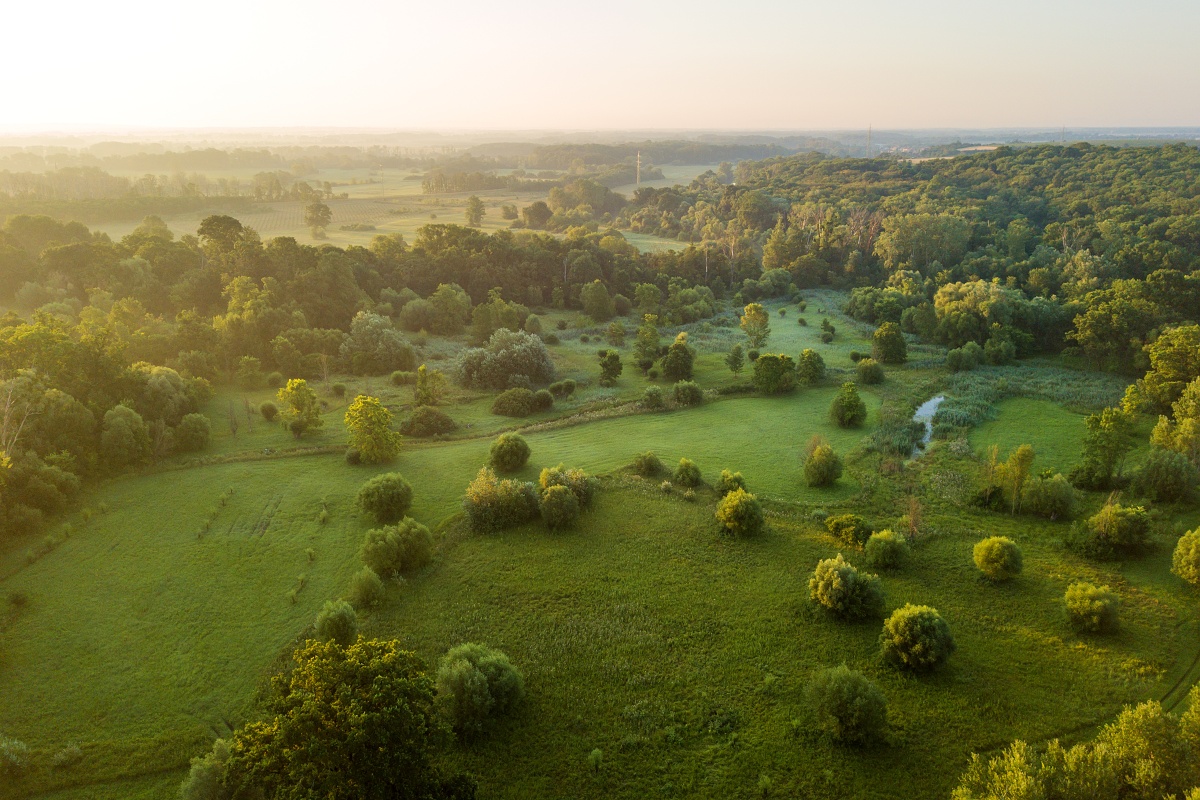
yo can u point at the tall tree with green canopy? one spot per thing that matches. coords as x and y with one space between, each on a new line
317 217
369 424
645 346
756 324
475 211
348 723
301 411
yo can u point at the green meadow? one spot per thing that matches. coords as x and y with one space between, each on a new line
679 653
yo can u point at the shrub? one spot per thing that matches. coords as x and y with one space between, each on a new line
841 589
563 389
740 513
1186 560
823 466
1052 498
427 421
513 403
509 453
1113 531
849 528
584 338
687 473
386 497
916 637
337 622
476 684
826 337
648 465
1091 608
752 354
507 353
403 378
856 356
69 756
574 479
338 389
353 456
393 549
849 708
559 507
1165 477
193 433
269 411
688 393
869 372
848 409
652 398
275 380
366 588
886 550
810 368
14 756
543 400
729 481
774 374
998 558
888 345
491 504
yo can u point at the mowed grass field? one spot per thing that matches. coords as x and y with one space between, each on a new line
679 653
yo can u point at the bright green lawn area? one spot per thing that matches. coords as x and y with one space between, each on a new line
1057 434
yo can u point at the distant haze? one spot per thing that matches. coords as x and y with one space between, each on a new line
460 64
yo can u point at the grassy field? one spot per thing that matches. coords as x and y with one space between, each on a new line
682 655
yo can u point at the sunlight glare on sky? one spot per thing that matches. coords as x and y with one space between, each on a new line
751 64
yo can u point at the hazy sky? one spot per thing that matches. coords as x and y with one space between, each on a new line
761 64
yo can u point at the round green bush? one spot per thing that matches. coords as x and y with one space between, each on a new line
916 637
729 481
740 513
687 473
888 345
810 367
366 588
275 380
848 707
338 389
386 497
509 453
826 337
869 372
998 558
269 411
1091 608
428 421
653 399
563 389
848 409
515 402
559 507
648 465
543 400
886 550
1185 562
193 433
1114 530
1165 477
1052 498
476 684
841 589
337 622
393 549
491 504
688 393
574 479
823 467
851 529
353 456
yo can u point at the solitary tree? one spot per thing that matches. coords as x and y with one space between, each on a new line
317 217
848 409
301 410
888 345
369 424
678 363
610 367
736 360
430 388
475 211
364 718
645 346
756 324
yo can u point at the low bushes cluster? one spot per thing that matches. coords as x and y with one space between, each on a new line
869 372
492 504
687 393
886 550
729 481
1091 608
516 402
740 513
393 549
428 421
841 589
366 588
1113 532
648 465
849 528
1165 477
475 685
653 399
1185 561
386 497
916 637
1051 497
563 389
823 466
403 378
687 474
508 453
337 622
998 558
848 707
